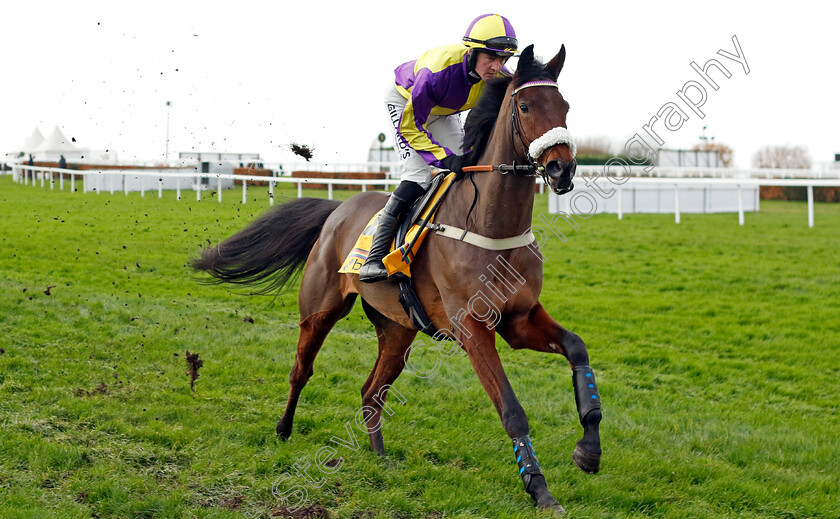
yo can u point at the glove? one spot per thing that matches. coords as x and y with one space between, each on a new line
456 163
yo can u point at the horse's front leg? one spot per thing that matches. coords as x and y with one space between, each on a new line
538 331
479 343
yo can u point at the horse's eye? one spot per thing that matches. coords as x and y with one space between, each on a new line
523 108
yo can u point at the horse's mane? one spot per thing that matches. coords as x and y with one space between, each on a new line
483 115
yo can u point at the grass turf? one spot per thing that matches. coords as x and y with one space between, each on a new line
715 346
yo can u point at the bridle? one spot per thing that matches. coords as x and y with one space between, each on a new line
535 147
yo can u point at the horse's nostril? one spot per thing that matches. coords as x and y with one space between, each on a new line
561 171
554 167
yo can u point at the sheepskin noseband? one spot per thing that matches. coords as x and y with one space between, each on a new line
552 137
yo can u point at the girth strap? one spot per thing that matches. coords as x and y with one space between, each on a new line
414 308
456 233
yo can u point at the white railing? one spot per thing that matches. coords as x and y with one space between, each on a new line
25 173
702 172
678 183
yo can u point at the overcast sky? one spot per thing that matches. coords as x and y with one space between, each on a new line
255 76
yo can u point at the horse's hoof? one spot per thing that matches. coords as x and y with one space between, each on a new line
553 506
282 432
586 461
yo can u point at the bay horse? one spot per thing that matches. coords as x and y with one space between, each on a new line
503 128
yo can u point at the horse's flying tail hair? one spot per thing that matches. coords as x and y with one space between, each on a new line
268 253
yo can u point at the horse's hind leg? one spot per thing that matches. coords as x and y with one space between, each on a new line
313 331
540 332
322 308
394 341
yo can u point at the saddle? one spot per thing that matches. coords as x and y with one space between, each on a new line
411 231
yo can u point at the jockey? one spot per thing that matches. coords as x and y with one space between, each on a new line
424 105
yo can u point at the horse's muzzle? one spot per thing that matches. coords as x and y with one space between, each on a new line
560 175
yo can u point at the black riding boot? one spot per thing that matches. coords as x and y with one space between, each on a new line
401 199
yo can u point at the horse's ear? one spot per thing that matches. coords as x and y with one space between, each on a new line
526 57
556 64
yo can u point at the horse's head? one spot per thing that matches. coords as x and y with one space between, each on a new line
538 119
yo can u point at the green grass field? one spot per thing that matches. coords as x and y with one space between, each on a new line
716 347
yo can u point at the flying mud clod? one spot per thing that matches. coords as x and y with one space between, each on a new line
302 150
193 362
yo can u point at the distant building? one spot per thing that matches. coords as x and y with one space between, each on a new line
688 159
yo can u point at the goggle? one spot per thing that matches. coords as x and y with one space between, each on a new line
502 47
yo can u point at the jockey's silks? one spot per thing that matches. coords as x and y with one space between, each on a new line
437 83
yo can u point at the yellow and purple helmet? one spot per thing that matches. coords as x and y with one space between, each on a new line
492 33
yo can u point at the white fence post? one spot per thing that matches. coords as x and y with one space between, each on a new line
178 188
620 210
300 190
244 191
329 191
72 182
271 193
160 187
219 188
810 206
740 207
677 203
61 181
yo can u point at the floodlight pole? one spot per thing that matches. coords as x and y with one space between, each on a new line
166 157
381 139
705 140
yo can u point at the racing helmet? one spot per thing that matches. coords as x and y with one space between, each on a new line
492 34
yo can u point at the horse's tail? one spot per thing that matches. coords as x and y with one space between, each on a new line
272 249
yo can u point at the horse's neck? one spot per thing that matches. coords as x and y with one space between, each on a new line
505 203
504 207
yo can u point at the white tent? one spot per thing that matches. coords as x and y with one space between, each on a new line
56 142
29 146
56 145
